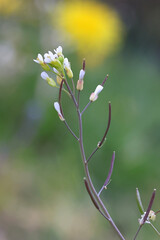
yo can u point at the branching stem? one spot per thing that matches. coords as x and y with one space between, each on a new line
92 190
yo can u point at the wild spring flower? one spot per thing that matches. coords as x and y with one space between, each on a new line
94 95
40 61
49 57
91 24
67 67
57 108
80 80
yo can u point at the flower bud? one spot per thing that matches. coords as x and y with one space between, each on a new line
67 67
80 82
58 51
80 85
45 67
53 60
49 80
58 78
94 95
152 215
57 108
40 61
81 74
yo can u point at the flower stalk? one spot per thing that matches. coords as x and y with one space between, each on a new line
62 68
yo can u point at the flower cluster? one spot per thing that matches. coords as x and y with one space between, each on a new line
59 65
56 63
151 217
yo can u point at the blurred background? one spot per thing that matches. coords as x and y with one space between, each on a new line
42 194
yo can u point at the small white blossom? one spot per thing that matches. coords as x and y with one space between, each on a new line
66 63
58 51
39 59
44 75
81 74
152 215
140 220
57 108
49 57
67 67
94 95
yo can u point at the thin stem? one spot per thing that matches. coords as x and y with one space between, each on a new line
86 107
137 232
108 125
73 86
98 199
104 136
92 154
63 89
78 97
62 77
60 104
157 212
100 190
84 64
155 229
90 184
105 80
70 130
70 91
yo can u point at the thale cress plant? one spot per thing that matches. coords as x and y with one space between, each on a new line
59 65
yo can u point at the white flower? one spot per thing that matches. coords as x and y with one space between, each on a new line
152 215
66 63
49 57
140 220
57 108
94 95
44 75
39 59
67 67
81 74
58 51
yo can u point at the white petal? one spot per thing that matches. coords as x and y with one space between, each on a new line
46 55
81 74
52 56
58 50
98 89
66 63
40 57
47 60
44 75
55 70
57 107
35 60
93 97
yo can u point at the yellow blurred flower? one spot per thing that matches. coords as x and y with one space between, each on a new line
95 29
8 7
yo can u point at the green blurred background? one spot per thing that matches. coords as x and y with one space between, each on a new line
42 194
